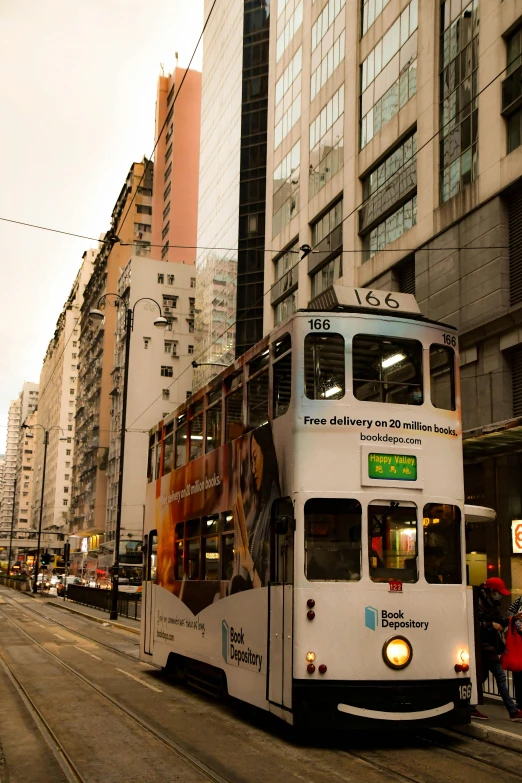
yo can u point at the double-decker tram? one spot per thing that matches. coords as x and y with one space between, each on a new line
305 522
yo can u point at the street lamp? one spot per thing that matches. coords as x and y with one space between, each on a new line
97 315
46 443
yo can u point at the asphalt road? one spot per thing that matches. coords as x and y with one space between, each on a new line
115 719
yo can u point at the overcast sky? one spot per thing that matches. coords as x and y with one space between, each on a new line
77 97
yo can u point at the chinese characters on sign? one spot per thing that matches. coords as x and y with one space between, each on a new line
392 466
516 532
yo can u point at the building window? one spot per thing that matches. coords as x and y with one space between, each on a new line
327 223
171 347
192 282
192 304
161 279
67 464
188 395
325 20
170 279
143 209
371 9
514 131
168 171
285 308
391 229
75 343
146 341
458 99
190 322
327 276
168 153
288 98
165 249
516 379
65 502
326 142
165 231
331 59
68 452
166 371
166 211
286 190
170 301
288 24
393 181
74 356
380 102
69 427
166 192
141 228
284 291
190 350
66 490
165 394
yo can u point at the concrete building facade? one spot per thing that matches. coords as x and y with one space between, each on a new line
394 151
57 408
160 378
176 167
96 356
25 462
11 456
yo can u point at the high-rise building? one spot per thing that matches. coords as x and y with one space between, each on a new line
231 211
11 456
160 377
395 152
57 408
176 166
130 232
25 456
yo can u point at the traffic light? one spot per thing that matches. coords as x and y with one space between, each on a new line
66 554
45 559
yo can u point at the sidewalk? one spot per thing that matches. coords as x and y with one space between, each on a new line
498 730
89 612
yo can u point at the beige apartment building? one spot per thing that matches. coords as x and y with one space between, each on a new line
394 151
25 457
57 407
129 225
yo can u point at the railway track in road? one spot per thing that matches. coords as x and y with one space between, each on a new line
58 745
430 757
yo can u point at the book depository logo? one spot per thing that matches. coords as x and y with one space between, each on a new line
371 617
233 648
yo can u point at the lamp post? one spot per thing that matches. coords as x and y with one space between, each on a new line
159 323
46 443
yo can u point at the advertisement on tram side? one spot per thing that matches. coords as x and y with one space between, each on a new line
240 478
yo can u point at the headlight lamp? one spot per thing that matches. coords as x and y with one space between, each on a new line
397 652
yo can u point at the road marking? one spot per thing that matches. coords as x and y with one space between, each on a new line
81 649
138 679
60 637
40 625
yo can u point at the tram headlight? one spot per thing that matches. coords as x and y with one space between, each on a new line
463 656
397 652
310 656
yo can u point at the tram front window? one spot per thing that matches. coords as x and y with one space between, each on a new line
392 536
324 366
387 369
441 525
332 540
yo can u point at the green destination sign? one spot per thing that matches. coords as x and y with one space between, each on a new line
392 466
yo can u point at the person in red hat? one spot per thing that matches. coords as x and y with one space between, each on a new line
492 644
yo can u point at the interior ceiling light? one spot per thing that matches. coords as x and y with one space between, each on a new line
391 360
332 390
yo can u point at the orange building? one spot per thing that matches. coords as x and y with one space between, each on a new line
176 167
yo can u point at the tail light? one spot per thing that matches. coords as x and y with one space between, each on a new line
310 668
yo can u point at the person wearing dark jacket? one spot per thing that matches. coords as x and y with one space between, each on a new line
492 645
515 610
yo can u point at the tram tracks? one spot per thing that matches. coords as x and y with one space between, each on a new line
57 745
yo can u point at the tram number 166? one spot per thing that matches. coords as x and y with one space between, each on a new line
465 692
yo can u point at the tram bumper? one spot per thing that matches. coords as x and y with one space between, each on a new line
365 704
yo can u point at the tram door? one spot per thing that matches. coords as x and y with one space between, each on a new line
281 604
148 592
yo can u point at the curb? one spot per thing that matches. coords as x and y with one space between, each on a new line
498 737
99 620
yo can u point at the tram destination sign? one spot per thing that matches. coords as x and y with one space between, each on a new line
399 467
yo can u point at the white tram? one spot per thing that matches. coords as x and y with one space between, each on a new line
305 522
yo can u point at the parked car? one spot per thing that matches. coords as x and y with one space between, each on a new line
64 583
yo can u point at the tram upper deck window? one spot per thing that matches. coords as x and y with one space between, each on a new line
168 456
442 377
442 548
150 462
181 440
213 423
196 436
257 392
392 537
324 363
332 539
387 369
234 409
282 375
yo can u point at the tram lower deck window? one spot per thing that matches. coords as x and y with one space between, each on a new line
441 526
332 539
392 539
387 369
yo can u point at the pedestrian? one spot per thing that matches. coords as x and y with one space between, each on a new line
515 610
492 623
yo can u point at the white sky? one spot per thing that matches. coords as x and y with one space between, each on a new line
77 101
